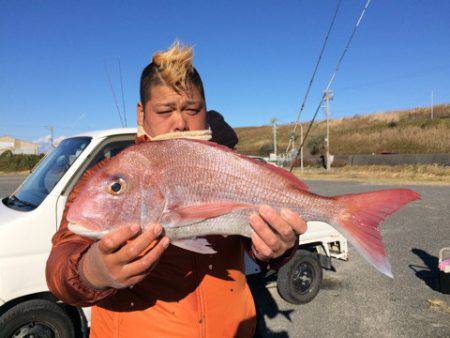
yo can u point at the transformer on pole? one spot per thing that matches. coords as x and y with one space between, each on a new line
432 104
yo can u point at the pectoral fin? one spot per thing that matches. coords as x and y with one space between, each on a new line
199 245
194 214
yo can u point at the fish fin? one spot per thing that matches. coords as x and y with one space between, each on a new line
199 245
361 216
86 232
294 180
197 213
204 211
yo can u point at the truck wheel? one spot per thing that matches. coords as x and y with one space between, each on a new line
299 280
36 318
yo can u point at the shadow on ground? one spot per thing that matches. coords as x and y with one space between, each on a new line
266 307
428 273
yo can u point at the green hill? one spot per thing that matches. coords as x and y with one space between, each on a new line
406 131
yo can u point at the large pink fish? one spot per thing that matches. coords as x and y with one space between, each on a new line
197 188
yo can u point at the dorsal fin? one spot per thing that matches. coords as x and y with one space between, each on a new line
280 171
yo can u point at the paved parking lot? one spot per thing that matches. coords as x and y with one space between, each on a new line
356 300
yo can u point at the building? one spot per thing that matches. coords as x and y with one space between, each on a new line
17 146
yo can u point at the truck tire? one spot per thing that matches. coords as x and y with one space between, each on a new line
36 318
298 281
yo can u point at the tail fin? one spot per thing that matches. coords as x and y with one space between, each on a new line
360 217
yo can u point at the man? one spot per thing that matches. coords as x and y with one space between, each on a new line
140 285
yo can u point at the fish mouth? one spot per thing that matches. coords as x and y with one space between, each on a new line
83 231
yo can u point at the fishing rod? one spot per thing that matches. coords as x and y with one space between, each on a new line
338 65
291 139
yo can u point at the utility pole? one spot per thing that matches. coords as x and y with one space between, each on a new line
432 104
294 151
301 148
274 128
328 97
52 130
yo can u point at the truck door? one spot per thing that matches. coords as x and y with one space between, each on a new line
106 149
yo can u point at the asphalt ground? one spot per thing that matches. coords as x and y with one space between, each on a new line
9 183
356 300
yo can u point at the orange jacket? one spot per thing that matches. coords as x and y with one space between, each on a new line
186 295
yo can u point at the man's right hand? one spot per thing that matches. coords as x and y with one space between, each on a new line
114 262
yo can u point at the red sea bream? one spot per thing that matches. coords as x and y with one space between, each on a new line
198 188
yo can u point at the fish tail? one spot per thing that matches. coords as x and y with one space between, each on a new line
360 215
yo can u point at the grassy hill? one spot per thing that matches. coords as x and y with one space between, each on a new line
406 131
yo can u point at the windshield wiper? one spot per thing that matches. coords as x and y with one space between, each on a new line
25 203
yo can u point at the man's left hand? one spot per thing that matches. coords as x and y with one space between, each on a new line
274 233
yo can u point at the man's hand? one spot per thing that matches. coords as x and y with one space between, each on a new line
114 262
274 233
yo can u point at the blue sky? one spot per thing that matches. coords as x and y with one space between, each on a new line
255 58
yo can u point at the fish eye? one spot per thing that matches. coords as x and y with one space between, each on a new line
117 187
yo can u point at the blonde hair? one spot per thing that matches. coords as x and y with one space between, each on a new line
172 68
175 65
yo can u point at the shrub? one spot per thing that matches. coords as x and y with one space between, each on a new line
6 154
19 162
315 144
265 149
392 124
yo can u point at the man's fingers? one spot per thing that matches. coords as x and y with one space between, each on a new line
146 262
135 279
265 233
115 239
134 248
261 248
295 221
277 222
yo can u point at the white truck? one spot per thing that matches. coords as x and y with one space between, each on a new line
31 215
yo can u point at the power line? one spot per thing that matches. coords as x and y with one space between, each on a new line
113 93
123 96
333 76
78 120
291 140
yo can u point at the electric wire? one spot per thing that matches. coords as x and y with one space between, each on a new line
330 82
305 98
113 94
123 96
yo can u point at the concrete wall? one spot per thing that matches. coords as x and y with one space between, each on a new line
378 159
394 159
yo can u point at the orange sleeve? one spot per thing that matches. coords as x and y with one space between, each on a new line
61 271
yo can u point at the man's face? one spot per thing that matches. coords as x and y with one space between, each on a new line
168 111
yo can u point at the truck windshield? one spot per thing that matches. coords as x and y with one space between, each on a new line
47 174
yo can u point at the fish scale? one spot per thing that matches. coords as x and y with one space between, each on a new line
197 188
